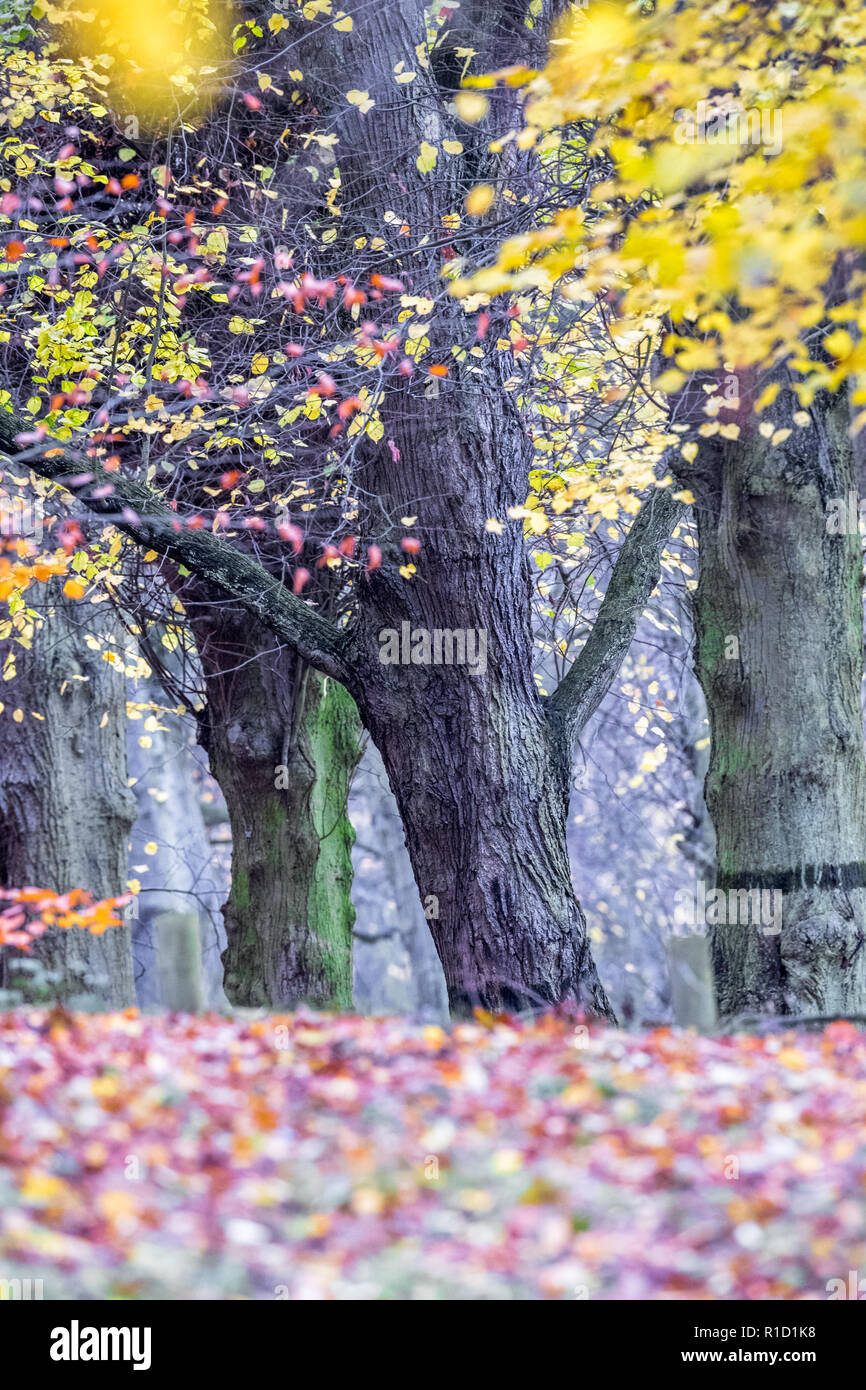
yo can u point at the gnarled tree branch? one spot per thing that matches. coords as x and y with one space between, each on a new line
635 575
141 513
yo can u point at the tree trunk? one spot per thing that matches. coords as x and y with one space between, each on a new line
509 931
396 968
283 742
779 625
65 809
180 877
480 775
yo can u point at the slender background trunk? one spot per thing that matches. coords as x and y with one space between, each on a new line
181 877
396 968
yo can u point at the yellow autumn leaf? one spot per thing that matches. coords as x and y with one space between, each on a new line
362 100
427 158
767 396
479 199
471 106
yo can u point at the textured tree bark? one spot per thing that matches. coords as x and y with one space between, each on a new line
480 774
509 932
780 655
283 742
65 809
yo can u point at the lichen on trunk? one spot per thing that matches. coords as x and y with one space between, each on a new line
331 726
283 742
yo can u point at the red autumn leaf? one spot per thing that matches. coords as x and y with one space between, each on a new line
352 295
382 347
386 282
287 531
325 385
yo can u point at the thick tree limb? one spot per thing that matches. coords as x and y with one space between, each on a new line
138 511
635 575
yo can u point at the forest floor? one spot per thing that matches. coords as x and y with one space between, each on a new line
311 1157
